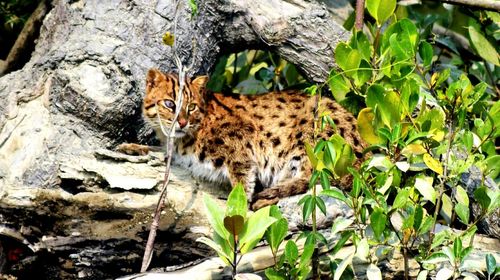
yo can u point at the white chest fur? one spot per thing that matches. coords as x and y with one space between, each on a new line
202 169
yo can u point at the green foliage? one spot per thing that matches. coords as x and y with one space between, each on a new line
426 127
234 232
253 72
428 116
291 265
14 13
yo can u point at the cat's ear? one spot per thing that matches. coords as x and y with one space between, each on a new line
152 78
199 82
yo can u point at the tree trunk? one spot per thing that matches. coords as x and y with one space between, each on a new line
81 210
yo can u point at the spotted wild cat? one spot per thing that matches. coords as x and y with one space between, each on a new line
257 140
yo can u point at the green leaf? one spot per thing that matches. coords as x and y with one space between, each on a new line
446 208
277 232
255 228
483 46
491 264
363 74
433 164
481 195
493 166
321 204
439 238
237 201
311 155
401 198
251 86
342 266
386 103
308 207
340 224
218 249
461 196
437 258
425 51
457 247
418 217
424 187
462 212
465 252
381 10
377 221
291 252
338 86
347 58
307 253
413 149
334 193
325 181
194 7
366 128
272 274
344 237
215 215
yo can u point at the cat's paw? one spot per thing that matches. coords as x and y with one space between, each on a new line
133 149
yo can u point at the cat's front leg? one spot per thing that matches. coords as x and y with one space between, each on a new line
282 189
244 173
137 149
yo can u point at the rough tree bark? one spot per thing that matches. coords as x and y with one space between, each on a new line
68 203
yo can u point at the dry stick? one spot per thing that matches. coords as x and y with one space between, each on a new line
360 11
148 252
482 4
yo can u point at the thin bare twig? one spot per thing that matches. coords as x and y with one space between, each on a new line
360 12
148 252
492 5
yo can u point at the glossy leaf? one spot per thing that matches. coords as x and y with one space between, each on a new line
461 196
334 193
425 188
377 221
425 52
444 273
401 198
381 10
291 252
215 215
255 228
491 264
277 232
342 267
218 249
446 208
483 46
338 86
340 224
237 202
433 164
366 128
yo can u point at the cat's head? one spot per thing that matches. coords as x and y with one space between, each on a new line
159 104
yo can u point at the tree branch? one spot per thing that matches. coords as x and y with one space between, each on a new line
360 11
482 4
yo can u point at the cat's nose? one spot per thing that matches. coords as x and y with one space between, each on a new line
182 122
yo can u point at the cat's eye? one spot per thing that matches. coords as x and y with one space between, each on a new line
168 104
191 107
